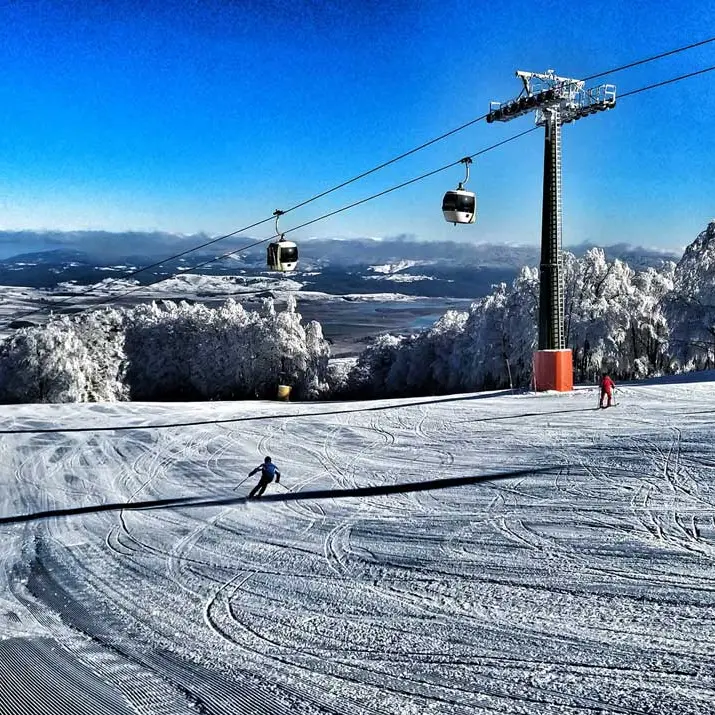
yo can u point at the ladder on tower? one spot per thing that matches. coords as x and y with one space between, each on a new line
559 341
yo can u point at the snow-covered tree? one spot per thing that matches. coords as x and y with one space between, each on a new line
596 313
317 378
44 365
369 375
500 336
166 350
649 328
614 320
614 317
691 306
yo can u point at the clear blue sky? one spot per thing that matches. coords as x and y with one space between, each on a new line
207 115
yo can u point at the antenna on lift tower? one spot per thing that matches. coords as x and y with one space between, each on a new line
555 101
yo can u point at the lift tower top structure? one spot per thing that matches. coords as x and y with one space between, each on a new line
555 101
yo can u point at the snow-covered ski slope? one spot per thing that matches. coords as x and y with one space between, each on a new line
583 583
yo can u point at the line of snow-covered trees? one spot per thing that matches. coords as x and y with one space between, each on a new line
633 324
165 351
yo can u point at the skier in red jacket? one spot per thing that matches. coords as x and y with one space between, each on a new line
607 386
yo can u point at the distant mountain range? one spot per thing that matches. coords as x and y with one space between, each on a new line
456 269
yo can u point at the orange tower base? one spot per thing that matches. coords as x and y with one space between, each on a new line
553 370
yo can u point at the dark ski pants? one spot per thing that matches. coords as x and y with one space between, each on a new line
603 394
259 488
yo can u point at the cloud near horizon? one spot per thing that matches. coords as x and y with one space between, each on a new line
112 246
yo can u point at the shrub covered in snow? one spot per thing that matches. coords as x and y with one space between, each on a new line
76 359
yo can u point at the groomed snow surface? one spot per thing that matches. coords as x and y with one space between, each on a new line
583 583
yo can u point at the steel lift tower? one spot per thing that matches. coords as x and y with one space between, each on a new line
556 101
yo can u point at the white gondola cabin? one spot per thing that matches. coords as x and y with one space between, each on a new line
460 205
282 255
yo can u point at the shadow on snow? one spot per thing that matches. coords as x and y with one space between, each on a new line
193 502
258 418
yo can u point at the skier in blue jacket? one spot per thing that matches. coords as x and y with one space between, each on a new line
268 470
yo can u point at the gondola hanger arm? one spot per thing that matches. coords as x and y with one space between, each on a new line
278 213
466 161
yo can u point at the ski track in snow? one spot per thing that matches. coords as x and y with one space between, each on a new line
588 588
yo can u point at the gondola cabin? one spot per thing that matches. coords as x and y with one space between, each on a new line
282 255
459 206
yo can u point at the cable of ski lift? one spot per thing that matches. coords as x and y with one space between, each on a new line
667 81
68 303
397 158
377 195
362 175
649 59
203 264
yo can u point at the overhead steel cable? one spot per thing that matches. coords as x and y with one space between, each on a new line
181 254
68 302
387 163
398 186
664 82
112 298
649 59
364 174
448 166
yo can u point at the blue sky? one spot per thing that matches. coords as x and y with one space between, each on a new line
207 116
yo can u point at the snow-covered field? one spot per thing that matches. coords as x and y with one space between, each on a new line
573 570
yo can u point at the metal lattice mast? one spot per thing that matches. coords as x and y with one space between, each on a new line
556 101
